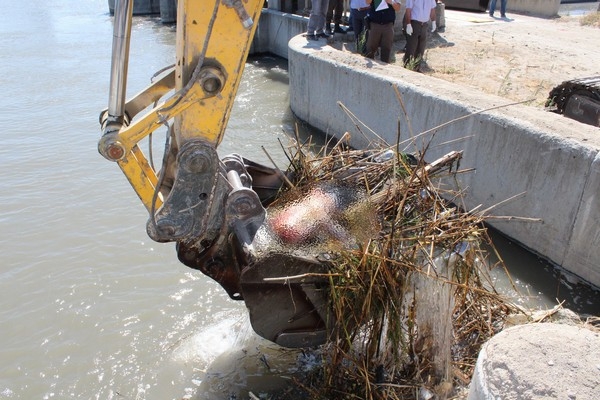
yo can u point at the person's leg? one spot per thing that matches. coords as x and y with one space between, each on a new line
411 45
313 17
503 8
322 9
492 7
349 10
329 15
339 12
373 40
358 22
355 23
387 41
421 33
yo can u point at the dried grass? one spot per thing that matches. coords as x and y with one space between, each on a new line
592 19
413 303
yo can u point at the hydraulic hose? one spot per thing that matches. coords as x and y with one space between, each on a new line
120 60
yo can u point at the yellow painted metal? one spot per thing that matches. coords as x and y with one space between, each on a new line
211 31
153 119
142 177
152 93
227 46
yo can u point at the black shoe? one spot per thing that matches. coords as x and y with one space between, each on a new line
322 35
311 37
338 29
350 29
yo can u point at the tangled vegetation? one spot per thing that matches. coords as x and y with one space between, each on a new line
411 302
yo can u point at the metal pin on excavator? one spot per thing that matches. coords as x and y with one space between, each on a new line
211 208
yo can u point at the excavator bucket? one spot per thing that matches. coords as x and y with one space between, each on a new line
281 265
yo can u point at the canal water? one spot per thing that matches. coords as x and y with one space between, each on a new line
91 307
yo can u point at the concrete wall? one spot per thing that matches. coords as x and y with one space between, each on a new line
515 149
543 8
166 8
275 30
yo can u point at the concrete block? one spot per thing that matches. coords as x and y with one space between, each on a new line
168 11
274 30
140 7
510 158
584 249
543 8
538 361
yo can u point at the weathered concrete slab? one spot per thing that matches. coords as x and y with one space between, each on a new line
580 258
539 361
542 8
274 31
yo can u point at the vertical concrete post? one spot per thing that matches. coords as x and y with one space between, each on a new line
140 7
304 7
274 5
168 11
399 23
440 15
281 5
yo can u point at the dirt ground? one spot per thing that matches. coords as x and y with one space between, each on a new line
518 58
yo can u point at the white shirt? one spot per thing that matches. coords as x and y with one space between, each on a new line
356 4
420 9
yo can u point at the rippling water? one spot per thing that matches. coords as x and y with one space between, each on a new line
91 307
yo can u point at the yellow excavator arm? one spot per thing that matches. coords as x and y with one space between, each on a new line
211 208
213 41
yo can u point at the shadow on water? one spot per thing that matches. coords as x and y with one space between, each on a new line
540 284
227 360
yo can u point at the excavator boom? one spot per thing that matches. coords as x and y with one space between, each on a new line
204 204
213 41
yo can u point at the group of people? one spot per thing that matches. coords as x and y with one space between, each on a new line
377 17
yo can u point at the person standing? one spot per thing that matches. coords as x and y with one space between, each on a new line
335 11
358 12
381 15
502 8
316 20
418 14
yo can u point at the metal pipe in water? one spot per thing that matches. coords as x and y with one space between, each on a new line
120 59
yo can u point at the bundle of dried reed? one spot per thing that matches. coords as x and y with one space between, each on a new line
411 299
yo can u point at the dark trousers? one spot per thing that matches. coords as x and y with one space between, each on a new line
338 6
358 21
417 42
380 36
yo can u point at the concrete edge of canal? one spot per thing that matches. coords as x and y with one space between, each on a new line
538 361
514 149
551 160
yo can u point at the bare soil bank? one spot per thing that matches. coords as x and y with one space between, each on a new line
518 58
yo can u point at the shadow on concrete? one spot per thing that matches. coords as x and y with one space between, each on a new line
436 40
